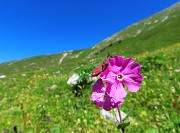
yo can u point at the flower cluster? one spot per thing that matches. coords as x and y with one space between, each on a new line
109 90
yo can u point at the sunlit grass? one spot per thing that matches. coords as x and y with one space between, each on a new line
32 103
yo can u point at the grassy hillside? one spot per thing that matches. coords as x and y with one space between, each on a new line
43 102
35 97
152 33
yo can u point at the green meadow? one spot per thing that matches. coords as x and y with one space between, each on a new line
35 96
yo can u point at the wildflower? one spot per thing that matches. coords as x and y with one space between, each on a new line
105 97
122 72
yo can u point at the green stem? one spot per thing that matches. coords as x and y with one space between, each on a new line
121 121
119 112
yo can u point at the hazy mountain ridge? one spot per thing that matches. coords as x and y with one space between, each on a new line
154 32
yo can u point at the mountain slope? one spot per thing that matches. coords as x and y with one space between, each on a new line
167 20
152 33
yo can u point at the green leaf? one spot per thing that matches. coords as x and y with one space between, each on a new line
123 125
128 113
109 55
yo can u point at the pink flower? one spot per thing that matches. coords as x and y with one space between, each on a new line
122 72
105 97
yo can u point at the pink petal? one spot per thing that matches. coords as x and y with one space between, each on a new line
108 76
119 60
136 77
99 103
126 64
131 85
115 103
121 92
107 103
113 67
98 86
98 92
134 68
97 96
116 90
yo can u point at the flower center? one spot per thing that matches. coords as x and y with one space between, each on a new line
119 76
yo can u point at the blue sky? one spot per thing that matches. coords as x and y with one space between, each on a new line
38 27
